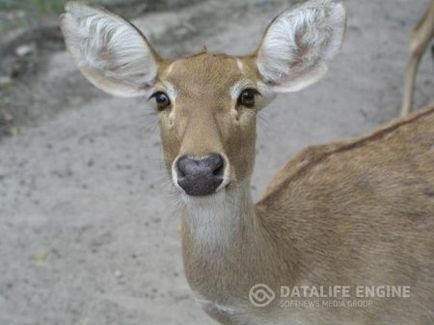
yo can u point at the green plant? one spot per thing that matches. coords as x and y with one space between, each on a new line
40 6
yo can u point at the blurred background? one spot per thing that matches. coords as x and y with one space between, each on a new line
88 218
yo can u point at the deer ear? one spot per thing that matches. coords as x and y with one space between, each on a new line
298 43
109 51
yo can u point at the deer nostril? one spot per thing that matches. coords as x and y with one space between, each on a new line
180 171
200 176
219 170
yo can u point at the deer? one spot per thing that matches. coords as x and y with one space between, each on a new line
348 213
420 38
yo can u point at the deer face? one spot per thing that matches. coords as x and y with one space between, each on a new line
208 121
207 103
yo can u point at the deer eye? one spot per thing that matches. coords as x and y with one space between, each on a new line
247 97
162 100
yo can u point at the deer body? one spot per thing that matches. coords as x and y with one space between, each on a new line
347 214
352 212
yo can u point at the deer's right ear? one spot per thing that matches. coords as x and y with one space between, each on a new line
109 51
298 43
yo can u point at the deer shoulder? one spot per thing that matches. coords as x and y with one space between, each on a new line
373 195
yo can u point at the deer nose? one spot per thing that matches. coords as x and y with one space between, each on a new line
200 176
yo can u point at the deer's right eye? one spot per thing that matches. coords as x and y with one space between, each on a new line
247 97
162 100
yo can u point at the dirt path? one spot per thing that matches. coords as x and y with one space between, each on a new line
88 223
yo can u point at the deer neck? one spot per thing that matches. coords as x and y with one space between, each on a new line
219 232
225 238
219 222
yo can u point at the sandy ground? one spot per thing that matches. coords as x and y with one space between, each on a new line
88 222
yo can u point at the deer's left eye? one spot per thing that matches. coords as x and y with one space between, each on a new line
162 100
247 97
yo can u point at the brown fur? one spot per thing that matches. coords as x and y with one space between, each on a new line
203 118
353 213
350 213
363 212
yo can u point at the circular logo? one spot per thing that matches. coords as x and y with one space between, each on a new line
261 295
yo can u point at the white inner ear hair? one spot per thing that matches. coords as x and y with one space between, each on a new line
301 38
103 41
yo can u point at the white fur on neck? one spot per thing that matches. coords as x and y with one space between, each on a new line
214 220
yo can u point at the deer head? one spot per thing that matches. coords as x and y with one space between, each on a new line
207 103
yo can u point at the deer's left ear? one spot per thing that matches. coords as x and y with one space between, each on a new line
298 43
